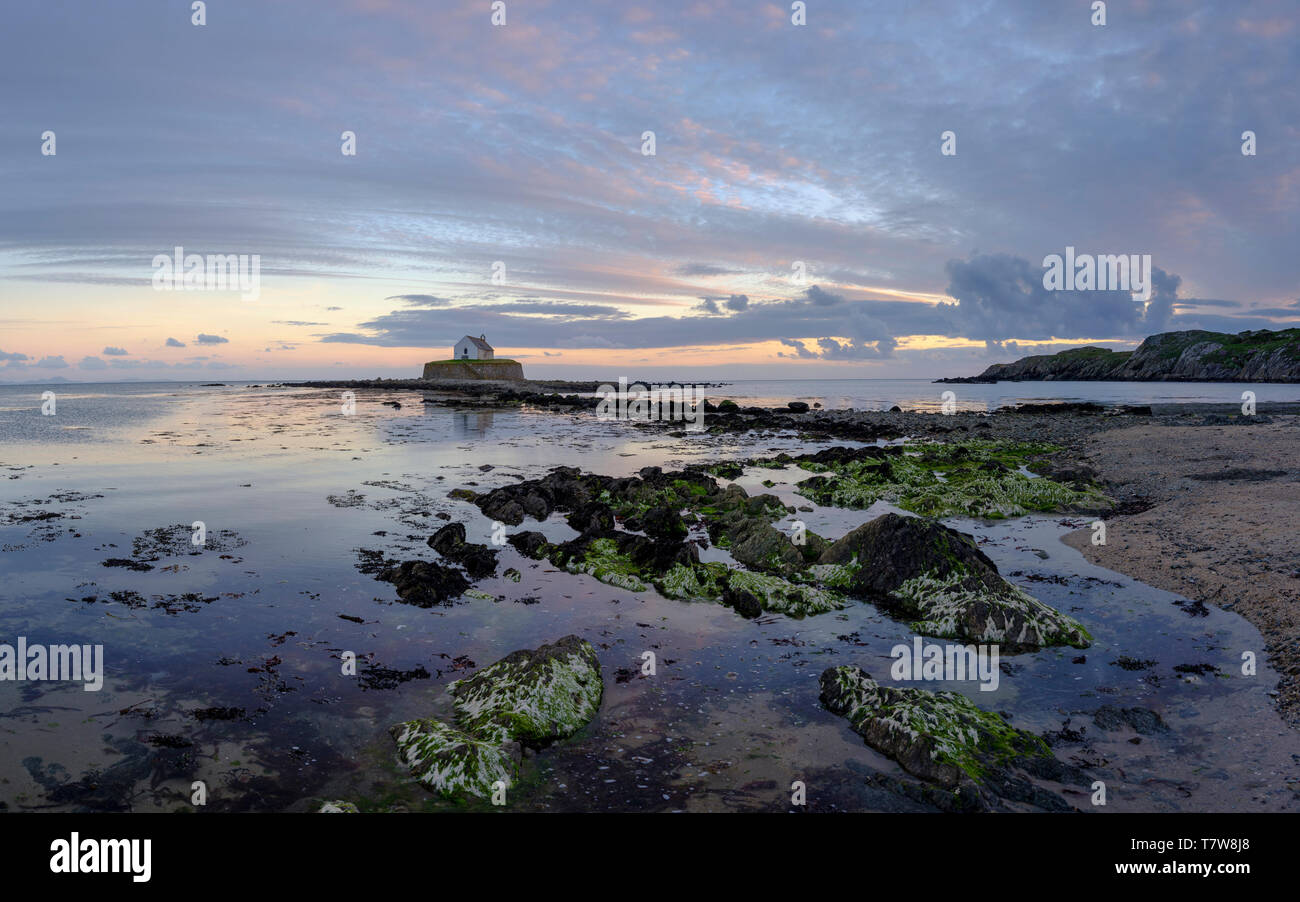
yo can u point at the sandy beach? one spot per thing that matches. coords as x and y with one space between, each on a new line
1222 503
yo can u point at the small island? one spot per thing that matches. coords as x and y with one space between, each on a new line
473 359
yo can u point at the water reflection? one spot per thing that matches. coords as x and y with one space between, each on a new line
471 423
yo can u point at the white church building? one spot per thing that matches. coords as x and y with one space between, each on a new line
471 348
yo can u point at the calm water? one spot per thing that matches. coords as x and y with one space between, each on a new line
917 394
290 490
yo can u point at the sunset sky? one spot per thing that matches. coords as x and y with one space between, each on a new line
522 144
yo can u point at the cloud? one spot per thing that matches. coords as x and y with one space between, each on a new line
1203 302
419 300
203 339
12 356
92 363
823 298
295 322
801 351
999 296
115 352
734 302
703 269
173 343
856 350
52 363
558 309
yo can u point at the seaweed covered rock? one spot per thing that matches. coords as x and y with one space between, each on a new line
534 697
941 737
528 698
338 806
425 584
448 761
748 592
656 510
940 580
970 478
756 543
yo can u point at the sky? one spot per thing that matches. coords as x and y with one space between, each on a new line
798 217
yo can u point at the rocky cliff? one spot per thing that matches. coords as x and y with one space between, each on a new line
456 370
1194 356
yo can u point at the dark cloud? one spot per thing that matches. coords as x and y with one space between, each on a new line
734 302
1204 302
999 296
115 352
703 269
823 298
204 339
173 343
559 309
800 350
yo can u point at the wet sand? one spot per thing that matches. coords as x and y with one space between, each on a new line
1221 526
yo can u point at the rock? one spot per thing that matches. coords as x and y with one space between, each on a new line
529 543
533 697
591 517
762 546
503 508
745 603
1066 471
941 737
526 700
663 524
479 561
940 579
1143 720
798 406
971 478
338 807
781 596
447 538
452 763
425 584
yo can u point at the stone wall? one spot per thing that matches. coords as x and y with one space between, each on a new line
452 370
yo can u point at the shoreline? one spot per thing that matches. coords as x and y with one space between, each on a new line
1205 514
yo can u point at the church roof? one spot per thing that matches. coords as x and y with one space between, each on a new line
479 343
